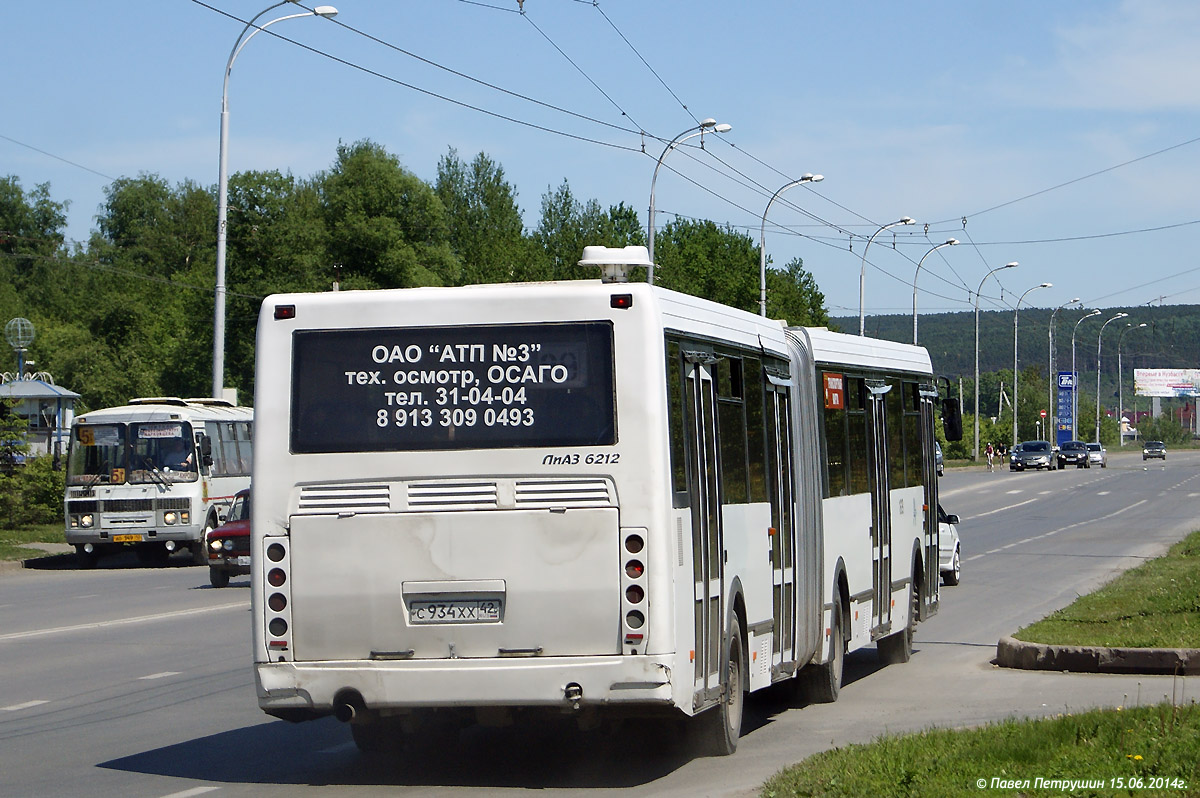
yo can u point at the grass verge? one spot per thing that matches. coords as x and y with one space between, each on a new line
11 540
1155 605
1144 751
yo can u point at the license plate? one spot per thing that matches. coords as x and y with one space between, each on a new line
127 538
456 611
243 559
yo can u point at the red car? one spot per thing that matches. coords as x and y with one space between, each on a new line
229 544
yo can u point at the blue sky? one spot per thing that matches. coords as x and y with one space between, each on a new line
1065 134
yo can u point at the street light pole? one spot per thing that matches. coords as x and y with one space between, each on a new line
691 132
218 373
1052 407
1099 341
949 242
1017 311
1121 379
862 277
762 240
1011 265
1075 378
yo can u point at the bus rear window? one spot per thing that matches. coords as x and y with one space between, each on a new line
478 387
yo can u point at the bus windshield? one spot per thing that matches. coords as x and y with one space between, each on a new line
132 453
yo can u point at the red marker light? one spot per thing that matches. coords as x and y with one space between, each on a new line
285 312
621 301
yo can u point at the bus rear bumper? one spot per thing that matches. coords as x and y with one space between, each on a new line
534 682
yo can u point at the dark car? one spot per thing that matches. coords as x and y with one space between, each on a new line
1074 453
1032 454
228 545
938 460
1154 449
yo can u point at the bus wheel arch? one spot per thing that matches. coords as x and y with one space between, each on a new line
718 728
896 648
199 547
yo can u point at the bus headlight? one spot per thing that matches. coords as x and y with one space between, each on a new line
170 518
85 521
185 518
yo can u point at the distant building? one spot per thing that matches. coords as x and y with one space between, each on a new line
48 408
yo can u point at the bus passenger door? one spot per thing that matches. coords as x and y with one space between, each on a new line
881 516
783 551
933 575
705 501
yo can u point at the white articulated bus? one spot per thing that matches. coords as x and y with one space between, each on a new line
588 497
155 474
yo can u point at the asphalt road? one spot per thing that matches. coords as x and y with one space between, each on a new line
135 681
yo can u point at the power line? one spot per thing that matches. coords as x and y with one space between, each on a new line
57 157
419 90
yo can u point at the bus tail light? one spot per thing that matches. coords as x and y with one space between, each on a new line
277 613
634 604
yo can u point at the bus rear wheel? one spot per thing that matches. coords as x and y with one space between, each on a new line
820 684
720 727
897 648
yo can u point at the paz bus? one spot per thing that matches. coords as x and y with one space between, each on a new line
155 475
591 498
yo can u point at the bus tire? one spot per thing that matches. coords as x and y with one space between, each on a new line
218 577
85 560
377 737
199 547
897 648
720 727
820 684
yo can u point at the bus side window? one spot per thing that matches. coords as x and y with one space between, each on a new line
245 450
675 422
731 430
858 450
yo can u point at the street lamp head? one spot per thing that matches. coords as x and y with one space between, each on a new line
907 220
951 242
722 128
707 123
1046 285
1010 265
329 12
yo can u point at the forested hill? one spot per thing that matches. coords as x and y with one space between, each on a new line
1171 338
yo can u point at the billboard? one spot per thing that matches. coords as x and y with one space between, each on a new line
1064 415
1166 382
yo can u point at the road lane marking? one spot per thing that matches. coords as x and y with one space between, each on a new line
162 675
338 749
1053 531
160 616
982 515
1013 492
1104 493
191 792
26 705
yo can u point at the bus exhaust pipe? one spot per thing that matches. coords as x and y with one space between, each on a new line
347 705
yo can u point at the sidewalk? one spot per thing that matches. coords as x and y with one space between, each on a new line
37 551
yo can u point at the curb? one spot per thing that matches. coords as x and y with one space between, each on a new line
1012 653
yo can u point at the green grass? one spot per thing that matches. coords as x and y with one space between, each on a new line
1148 743
11 540
1156 605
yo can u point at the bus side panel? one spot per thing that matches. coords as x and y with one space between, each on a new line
848 538
748 548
